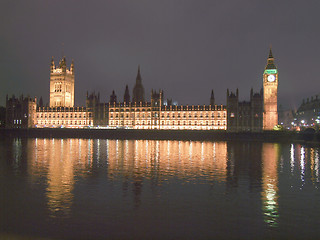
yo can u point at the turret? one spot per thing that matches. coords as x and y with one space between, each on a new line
72 67
113 97
62 64
52 65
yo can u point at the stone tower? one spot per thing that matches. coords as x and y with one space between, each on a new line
138 90
61 84
270 94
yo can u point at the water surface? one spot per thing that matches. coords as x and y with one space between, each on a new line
147 189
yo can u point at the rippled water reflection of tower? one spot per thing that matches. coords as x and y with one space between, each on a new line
270 159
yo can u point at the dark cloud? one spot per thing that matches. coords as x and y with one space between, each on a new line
184 47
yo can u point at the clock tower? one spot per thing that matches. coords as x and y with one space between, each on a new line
270 94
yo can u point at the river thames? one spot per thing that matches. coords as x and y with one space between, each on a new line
148 189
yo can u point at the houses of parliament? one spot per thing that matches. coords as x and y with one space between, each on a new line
258 114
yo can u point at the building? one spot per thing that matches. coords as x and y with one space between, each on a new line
270 94
245 116
286 117
156 115
61 112
308 114
260 113
61 84
20 112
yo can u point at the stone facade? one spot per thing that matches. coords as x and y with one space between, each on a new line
270 94
61 84
20 112
246 116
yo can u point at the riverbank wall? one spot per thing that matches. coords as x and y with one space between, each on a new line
205 135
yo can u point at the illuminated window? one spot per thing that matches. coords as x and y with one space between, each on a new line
232 114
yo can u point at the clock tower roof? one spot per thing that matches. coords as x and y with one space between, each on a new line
270 64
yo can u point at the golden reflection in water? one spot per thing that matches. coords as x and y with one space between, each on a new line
270 156
165 159
60 159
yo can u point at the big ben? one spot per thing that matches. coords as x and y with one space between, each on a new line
270 94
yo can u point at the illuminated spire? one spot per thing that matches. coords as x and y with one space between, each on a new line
270 64
270 53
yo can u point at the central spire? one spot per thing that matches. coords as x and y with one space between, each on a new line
138 90
138 79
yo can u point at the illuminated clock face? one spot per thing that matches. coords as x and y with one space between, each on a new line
271 78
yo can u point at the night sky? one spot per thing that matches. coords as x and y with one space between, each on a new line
184 47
